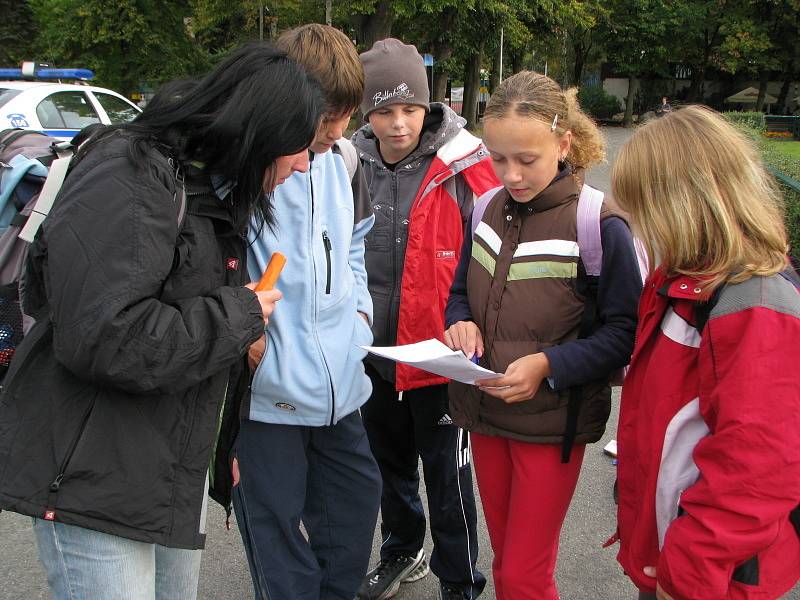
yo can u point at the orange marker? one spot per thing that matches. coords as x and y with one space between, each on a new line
271 273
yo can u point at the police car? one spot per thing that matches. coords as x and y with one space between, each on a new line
30 100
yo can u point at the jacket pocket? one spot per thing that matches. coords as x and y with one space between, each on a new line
55 485
326 243
362 336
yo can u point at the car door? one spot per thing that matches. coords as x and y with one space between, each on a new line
115 109
63 114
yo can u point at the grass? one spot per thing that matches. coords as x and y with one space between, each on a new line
789 149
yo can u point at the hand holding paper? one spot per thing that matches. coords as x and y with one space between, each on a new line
433 356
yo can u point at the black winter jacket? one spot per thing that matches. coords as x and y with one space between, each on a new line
110 408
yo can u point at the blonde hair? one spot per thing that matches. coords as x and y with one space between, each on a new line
701 198
536 96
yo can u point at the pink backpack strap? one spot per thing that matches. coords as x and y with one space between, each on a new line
591 248
480 207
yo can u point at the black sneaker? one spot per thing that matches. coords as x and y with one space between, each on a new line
448 592
384 580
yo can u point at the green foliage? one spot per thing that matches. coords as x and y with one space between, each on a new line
640 35
777 158
753 120
595 101
17 33
126 42
132 42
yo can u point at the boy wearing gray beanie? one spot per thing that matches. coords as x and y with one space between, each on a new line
424 171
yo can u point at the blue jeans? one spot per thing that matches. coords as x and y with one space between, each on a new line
81 563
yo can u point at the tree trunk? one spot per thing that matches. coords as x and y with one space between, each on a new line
440 76
472 82
763 80
494 79
633 87
698 77
788 74
580 59
378 25
516 57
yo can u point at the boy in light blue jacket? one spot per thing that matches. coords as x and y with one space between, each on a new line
302 451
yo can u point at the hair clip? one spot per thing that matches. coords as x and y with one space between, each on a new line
555 122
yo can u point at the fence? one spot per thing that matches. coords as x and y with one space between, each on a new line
781 123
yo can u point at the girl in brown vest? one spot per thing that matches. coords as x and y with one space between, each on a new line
518 304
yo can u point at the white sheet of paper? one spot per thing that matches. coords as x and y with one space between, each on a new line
433 356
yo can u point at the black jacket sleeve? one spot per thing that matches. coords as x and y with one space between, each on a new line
110 246
458 303
610 346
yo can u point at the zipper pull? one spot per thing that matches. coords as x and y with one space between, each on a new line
56 484
327 241
50 513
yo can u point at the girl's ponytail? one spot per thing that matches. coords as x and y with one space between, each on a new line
588 145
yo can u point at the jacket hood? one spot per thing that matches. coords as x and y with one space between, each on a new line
441 125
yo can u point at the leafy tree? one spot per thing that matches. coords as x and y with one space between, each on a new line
17 32
638 40
126 42
762 40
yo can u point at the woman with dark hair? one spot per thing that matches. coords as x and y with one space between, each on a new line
111 409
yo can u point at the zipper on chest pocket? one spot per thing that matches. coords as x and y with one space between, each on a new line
326 241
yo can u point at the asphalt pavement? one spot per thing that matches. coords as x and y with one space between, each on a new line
585 571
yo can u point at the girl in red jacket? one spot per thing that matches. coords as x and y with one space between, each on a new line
709 460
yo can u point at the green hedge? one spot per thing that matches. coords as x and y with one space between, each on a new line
789 166
749 119
595 101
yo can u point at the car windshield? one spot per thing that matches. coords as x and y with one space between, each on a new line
7 94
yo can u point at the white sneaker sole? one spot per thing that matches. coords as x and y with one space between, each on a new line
419 570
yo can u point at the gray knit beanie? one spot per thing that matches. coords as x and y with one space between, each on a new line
393 74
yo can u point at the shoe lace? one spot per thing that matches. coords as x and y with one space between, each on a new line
386 566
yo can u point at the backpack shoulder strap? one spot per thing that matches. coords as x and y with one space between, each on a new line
55 179
590 203
349 155
480 207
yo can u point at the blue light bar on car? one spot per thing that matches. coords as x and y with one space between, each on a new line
82 74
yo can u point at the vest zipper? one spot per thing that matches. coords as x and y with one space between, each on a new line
55 485
326 241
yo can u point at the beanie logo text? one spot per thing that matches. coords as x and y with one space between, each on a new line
402 91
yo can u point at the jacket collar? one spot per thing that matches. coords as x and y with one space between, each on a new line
681 287
441 126
564 188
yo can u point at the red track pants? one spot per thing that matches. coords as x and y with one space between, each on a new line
525 492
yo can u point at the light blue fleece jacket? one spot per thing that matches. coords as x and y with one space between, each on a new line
312 373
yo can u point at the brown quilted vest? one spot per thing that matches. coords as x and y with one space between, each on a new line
522 288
